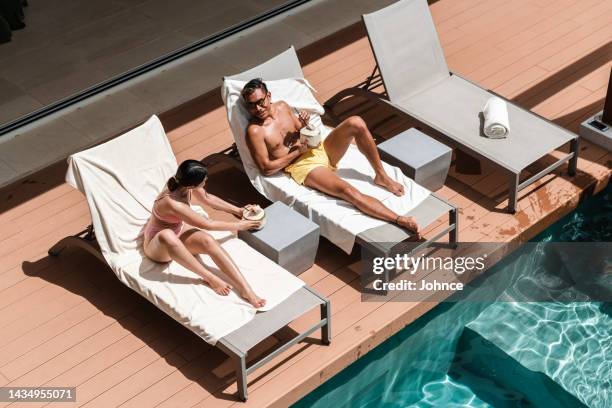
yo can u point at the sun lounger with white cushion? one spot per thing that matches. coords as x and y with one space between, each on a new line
339 221
417 81
121 179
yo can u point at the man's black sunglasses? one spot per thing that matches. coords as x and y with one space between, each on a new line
260 102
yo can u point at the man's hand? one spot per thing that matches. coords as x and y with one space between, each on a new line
300 145
304 117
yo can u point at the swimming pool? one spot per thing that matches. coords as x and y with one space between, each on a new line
509 353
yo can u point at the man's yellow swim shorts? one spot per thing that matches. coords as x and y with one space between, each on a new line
303 165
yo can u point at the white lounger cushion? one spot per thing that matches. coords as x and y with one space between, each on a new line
121 179
339 221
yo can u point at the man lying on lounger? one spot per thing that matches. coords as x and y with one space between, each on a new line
273 137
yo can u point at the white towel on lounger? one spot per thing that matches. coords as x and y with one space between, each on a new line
121 179
339 221
496 123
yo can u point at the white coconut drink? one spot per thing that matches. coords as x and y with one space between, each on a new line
255 213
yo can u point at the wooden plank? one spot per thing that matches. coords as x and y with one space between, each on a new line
39 246
19 194
442 11
31 316
499 24
578 50
26 285
31 218
534 52
596 79
137 382
40 334
145 336
462 19
560 101
97 385
66 340
69 354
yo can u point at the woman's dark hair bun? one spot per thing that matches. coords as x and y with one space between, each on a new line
172 184
190 173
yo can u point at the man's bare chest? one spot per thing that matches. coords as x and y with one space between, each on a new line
281 134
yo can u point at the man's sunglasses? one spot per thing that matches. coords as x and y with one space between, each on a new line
260 102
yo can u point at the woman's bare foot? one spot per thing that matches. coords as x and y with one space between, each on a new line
387 182
219 285
409 223
253 299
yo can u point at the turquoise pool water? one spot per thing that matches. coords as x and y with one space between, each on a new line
510 353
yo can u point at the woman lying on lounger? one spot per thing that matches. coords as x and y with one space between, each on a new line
166 240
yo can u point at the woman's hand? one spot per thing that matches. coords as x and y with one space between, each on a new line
241 210
249 207
245 225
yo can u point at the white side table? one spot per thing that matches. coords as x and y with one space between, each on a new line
288 238
420 157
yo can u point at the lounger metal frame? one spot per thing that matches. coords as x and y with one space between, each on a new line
238 343
376 79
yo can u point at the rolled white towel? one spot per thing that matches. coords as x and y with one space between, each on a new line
496 123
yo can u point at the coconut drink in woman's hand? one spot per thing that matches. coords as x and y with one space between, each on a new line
255 213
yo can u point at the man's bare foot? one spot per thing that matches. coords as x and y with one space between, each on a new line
219 285
253 299
387 182
409 223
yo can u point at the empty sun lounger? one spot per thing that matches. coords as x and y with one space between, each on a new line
121 179
413 70
340 222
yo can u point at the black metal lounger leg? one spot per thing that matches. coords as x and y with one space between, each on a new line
513 185
573 163
362 89
326 329
74 240
331 102
85 240
57 249
453 220
229 155
241 375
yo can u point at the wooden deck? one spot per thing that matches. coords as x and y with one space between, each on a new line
69 322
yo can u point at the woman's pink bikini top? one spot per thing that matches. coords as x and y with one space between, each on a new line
167 221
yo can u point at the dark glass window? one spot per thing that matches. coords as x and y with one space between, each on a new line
52 50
